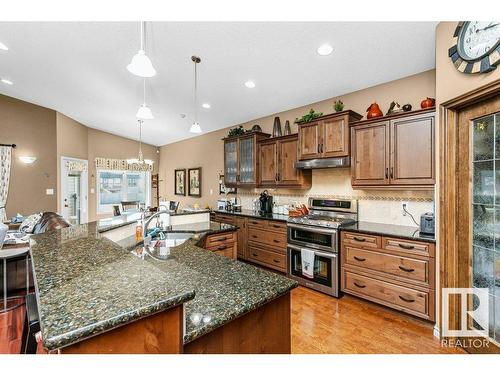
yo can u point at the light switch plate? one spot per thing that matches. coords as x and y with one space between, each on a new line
50 191
91 190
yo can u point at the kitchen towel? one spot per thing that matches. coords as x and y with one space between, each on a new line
307 263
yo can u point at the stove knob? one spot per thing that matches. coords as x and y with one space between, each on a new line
328 225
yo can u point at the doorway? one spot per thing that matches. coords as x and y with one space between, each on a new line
469 225
74 186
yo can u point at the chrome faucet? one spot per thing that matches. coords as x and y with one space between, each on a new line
146 223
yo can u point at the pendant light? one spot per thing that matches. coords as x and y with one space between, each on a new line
140 158
195 128
141 64
144 112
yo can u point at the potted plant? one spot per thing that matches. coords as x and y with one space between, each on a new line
308 117
338 105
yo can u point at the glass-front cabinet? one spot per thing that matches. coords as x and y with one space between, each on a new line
486 215
240 159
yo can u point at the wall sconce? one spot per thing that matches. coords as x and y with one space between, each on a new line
27 159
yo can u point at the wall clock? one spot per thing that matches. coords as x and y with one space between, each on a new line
477 46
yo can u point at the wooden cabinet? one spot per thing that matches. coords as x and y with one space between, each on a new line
277 158
395 272
370 154
327 136
222 243
241 165
259 241
394 151
242 235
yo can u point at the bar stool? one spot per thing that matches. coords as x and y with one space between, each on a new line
6 254
31 326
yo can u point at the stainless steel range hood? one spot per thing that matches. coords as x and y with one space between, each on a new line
324 163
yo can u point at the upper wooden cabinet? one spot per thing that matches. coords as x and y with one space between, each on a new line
241 164
327 136
277 158
395 151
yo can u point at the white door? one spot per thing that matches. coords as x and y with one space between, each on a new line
74 186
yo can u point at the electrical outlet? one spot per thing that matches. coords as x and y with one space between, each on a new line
404 207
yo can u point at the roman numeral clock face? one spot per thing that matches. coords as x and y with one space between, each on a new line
477 48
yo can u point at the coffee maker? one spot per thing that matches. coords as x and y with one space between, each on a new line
266 203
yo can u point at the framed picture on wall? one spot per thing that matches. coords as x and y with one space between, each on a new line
194 182
180 182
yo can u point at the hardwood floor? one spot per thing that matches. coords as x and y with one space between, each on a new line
320 324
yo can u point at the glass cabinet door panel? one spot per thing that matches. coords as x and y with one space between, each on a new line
486 213
247 172
231 161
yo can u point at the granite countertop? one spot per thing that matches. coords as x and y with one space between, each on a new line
133 216
411 233
256 215
211 227
224 288
87 284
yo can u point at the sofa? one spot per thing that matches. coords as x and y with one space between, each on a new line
16 269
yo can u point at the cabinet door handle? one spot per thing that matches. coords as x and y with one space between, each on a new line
222 247
359 285
254 236
222 239
276 261
407 247
359 239
276 241
359 259
387 173
255 255
406 299
392 172
322 148
406 269
279 176
319 148
254 222
275 226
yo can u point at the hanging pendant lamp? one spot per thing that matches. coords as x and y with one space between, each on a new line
140 158
195 127
144 112
141 64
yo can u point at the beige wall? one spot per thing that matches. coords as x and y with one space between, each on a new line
33 129
77 141
383 206
450 83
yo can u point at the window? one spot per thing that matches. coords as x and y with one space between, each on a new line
118 186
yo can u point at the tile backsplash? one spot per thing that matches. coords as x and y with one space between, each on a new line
381 206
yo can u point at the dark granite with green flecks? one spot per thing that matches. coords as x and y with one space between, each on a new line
224 288
88 284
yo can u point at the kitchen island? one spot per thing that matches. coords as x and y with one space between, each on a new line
100 296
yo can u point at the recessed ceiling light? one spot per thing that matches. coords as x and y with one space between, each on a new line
250 84
7 82
325 49
3 47
206 105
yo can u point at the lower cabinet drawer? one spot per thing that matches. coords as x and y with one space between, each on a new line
221 218
405 299
274 239
216 239
227 250
267 258
404 267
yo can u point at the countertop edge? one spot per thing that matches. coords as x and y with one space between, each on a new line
197 334
381 233
64 340
282 218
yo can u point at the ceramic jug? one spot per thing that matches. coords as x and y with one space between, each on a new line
373 111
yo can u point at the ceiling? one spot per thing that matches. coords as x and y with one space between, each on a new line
79 68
